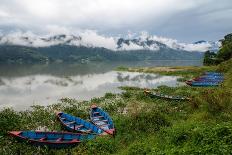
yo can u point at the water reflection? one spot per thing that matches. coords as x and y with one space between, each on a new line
22 92
24 85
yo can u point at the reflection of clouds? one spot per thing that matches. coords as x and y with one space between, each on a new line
1 82
122 77
57 82
29 81
43 89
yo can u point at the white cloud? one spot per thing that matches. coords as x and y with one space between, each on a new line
91 38
3 14
197 47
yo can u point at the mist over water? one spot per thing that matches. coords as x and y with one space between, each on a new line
24 85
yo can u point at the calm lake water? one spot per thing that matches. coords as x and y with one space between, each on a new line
24 85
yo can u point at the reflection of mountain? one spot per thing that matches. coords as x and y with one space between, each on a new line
57 82
64 82
1 82
140 77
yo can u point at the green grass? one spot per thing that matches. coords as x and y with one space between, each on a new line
144 125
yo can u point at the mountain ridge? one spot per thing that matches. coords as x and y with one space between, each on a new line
30 48
66 53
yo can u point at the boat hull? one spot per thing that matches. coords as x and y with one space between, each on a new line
167 97
51 139
101 119
76 124
202 84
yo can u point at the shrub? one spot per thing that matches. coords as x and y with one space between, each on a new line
9 120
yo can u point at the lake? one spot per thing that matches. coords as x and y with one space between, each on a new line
24 85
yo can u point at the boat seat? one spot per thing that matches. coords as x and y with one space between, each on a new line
104 125
42 139
59 139
70 123
101 121
88 130
78 126
99 116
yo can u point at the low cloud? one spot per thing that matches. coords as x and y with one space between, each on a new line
90 38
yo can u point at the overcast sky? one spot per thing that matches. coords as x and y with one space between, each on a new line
184 20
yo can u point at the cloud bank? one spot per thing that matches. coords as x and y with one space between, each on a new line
89 38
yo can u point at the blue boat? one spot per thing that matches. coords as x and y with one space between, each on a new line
76 124
101 119
202 83
207 79
51 139
212 77
213 73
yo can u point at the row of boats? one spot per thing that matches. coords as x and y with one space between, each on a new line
207 79
78 130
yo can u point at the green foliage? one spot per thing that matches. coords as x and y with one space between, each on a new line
102 145
218 99
195 138
210 58
19 55
225 66
225 53
9 120
81 54
139 148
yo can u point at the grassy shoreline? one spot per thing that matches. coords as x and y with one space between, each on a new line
144 125
186 72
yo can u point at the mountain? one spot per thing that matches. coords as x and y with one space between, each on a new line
68 53
29 48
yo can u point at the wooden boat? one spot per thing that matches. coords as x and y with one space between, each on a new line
212 73
102 119
160 95
212 77
51 139
202 83
207 79
76 124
